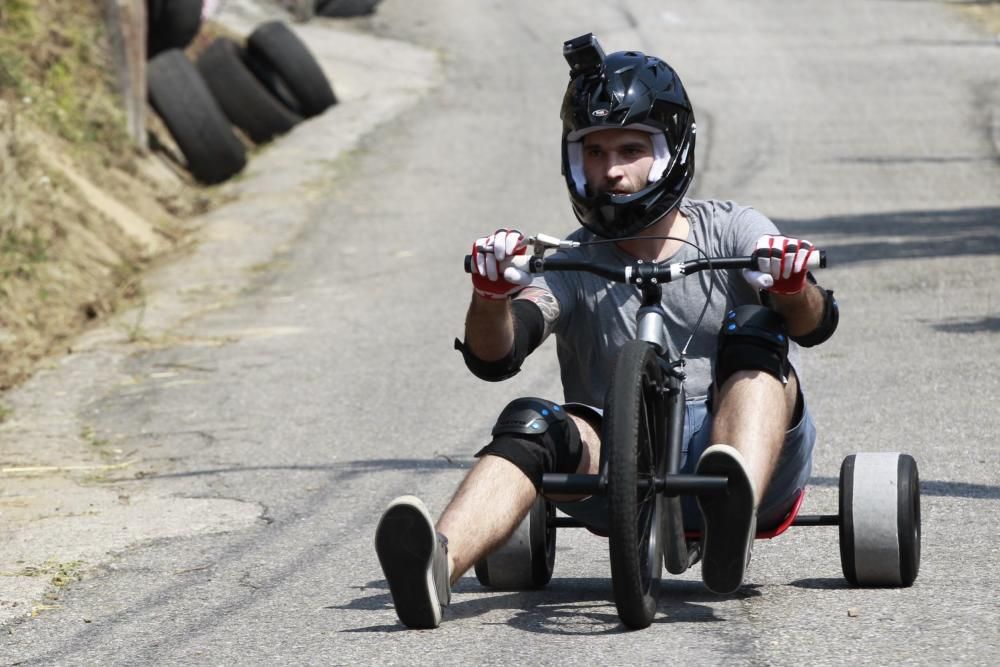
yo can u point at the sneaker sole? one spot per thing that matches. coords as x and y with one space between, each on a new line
729 521
404 542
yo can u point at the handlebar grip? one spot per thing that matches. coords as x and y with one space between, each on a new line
817 260
522 262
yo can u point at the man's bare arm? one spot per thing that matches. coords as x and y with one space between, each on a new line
489 328
489 324
803 312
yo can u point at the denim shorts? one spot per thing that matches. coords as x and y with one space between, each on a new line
789 479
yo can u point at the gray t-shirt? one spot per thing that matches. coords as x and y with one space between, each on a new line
597 316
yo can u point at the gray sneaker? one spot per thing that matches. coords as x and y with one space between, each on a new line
414 559
730 521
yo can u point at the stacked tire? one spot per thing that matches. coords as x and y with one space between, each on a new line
195 121
345 8
288 70
243 98
171 24
264 89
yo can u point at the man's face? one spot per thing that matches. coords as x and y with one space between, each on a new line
617 161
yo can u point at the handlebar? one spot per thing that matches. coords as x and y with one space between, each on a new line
639 272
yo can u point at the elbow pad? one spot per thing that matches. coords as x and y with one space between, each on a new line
529 328
831 317
491 371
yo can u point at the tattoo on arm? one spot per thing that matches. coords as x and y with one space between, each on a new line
546 303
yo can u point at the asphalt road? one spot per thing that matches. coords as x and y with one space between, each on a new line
327 385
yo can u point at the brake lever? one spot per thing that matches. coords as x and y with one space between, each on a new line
539 243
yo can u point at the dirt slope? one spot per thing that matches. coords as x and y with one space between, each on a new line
82 211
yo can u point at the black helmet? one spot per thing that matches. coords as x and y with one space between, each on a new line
625 90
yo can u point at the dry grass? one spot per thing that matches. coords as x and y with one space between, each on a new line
984 12
64 261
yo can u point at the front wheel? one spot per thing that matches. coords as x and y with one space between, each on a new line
634 439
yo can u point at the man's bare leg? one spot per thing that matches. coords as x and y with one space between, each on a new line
488 506
754 411
492 500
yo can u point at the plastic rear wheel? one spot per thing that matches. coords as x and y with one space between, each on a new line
525 561
880 519
634 440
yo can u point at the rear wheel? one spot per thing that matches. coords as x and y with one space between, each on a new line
880 519
525 560
634 440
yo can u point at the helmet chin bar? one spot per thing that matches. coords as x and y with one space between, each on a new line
574 155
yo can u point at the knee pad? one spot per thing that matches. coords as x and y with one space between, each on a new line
753 338
538 437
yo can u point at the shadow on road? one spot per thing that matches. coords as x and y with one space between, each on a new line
903 234
823 584
969 326
934 488
567 606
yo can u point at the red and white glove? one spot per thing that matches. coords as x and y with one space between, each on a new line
492 275
782 264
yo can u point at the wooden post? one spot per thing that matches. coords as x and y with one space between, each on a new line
126 22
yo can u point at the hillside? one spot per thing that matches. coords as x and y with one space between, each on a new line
82 210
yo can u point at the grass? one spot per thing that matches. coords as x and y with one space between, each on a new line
63 264
60 574
984 12
54 76
56 71
89 436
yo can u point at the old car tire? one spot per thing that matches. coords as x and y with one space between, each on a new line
242 97
286 67
345 8
182 99
172 24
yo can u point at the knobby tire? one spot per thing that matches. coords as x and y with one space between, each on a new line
635 433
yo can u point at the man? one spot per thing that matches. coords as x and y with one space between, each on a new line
628 158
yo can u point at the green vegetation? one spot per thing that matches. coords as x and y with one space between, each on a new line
53 70
60 575
88 435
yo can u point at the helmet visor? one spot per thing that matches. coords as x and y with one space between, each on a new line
574 154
